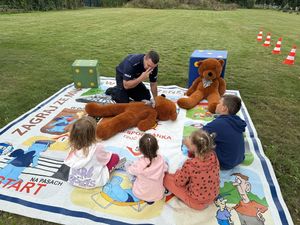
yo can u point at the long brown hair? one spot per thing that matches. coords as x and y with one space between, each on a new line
203 141
83 134
148 147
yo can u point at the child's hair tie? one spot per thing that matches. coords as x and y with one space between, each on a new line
213 135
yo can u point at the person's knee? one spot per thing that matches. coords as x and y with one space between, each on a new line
147 95
138 96
119 99
120 96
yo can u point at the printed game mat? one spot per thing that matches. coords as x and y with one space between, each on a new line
33 180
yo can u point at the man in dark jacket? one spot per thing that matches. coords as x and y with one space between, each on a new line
229 127
131 73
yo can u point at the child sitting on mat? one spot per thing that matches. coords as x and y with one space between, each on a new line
197 183
149 171
89 164
229 128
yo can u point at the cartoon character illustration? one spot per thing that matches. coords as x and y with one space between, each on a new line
118 191
60 123
114 190
223 214
249 211
6 148
60 142
135 151
168 195
22 159
200 115
191 126
200 112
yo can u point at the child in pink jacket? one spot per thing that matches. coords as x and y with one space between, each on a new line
197 183
149 171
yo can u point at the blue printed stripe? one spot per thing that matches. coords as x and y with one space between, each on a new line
266 171
64 211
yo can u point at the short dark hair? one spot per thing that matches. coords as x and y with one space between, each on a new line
153 55
233 103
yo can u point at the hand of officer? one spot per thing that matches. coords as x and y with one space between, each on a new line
145 75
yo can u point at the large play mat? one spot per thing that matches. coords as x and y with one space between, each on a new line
32 171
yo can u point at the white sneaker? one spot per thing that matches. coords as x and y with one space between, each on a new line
121 164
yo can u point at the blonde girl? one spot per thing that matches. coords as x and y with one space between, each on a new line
197 183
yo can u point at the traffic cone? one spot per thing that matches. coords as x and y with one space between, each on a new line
267 41
259 36
290 59
276 50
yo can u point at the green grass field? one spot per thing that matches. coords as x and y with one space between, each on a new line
37 50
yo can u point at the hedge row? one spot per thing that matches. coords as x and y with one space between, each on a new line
43 5
181 4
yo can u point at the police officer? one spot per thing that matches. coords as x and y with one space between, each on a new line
131 73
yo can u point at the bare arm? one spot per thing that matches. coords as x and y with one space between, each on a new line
128 84
153 87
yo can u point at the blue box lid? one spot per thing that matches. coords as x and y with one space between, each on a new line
209 54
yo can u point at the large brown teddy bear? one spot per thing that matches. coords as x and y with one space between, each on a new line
126 115
209 85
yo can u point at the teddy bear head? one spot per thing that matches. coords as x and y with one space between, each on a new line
210 68
165 108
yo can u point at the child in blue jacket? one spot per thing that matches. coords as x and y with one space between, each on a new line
229 127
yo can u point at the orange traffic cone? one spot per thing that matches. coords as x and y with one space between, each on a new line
267 41
276 50
290 59
259 36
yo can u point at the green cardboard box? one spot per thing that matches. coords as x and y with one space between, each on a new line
85 73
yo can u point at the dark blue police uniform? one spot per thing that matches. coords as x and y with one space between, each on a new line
129 69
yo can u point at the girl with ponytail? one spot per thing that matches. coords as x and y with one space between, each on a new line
149 171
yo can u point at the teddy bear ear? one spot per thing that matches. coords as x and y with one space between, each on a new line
221 61
197 64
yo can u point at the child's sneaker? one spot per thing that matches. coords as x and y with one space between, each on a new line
121 164
98 98
131 177
110 90
150 203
